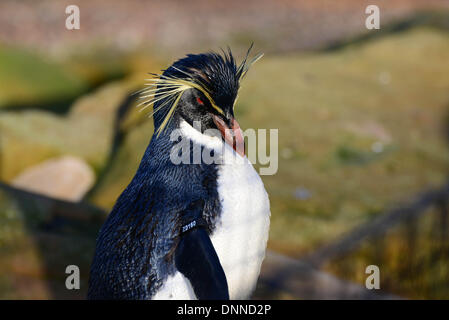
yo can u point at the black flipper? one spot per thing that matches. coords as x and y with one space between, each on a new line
196 259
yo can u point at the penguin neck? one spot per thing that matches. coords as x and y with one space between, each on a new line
211 142
178 126
160 147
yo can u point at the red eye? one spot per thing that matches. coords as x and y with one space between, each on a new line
199 101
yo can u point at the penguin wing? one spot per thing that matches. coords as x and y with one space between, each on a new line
196 259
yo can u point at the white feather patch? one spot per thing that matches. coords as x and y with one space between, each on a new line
176 287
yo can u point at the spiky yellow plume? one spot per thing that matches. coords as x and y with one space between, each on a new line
169 89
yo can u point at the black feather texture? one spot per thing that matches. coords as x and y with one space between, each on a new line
134 251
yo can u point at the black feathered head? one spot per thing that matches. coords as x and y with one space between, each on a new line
200 87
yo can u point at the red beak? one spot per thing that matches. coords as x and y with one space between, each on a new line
232 136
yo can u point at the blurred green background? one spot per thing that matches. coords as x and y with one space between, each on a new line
361 117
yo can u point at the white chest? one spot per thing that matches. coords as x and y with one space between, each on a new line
241 234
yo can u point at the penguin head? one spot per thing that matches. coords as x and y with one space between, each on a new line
199 88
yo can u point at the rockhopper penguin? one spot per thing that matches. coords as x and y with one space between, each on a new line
195 229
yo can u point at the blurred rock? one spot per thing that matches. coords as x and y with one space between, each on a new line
87 131
29 80
66 177
118 175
